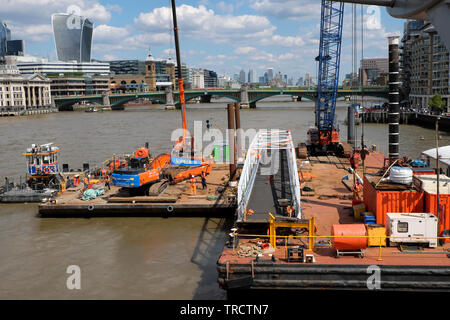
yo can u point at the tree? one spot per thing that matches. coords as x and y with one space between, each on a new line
436 102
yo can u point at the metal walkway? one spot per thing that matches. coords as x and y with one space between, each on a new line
269 180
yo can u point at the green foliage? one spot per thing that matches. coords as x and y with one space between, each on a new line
66 75
436 102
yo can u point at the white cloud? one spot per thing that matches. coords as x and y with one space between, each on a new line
40 11
288 9
283 41
110 57
225 7
203 24
41 32
108 34
244 50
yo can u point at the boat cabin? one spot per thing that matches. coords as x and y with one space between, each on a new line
42 160
429 156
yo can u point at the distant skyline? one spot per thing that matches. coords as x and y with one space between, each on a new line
226 36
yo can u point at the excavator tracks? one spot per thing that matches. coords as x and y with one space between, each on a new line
157 188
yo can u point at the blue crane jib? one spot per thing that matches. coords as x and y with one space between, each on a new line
329 60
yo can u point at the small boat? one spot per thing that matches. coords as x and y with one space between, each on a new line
44 179
91 109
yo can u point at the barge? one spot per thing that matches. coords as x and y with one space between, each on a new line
297 257
218 199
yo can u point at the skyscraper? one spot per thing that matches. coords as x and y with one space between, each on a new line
269 74
242 76
251 76
308 81
73 37
5 36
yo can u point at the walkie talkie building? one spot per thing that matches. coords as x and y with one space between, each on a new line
73 37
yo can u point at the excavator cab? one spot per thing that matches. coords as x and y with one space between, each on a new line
323 142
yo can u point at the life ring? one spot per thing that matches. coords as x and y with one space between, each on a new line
169 209
47 170
91 207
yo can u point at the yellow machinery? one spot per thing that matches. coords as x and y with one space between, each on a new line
307 224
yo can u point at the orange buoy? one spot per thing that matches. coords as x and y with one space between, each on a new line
349 236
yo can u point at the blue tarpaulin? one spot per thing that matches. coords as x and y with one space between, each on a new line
91 194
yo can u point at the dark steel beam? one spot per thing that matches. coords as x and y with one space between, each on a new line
382 3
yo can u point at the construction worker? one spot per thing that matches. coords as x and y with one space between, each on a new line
357 187
86 182
107 182
204 185
289 210
193 186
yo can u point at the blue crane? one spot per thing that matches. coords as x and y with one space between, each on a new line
324 137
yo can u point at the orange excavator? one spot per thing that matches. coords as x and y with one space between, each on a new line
144 175
152 177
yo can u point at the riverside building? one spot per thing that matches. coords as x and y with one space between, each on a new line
425 64
22 92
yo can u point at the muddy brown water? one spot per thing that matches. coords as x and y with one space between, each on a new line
132 258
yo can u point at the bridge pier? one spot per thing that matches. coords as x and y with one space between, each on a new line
244 97
105 100
296 98
170 105
252 105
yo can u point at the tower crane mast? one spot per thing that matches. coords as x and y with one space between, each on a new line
324 137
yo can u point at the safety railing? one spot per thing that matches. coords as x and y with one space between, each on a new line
247 177
327 241
263 141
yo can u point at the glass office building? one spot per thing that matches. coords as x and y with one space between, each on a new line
5 36
73 37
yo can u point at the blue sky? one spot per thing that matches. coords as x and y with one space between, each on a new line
225 36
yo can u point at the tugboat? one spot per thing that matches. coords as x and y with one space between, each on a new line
43 177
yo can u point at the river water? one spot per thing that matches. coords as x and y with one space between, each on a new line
133 258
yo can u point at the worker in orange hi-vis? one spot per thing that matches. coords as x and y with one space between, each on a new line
86 182
289 211
193 186
357 191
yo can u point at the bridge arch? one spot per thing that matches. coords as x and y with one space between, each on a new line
65 103
192 95
122 101
265 95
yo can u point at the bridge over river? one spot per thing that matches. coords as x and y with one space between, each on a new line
245 96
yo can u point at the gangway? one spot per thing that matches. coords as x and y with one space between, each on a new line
269 180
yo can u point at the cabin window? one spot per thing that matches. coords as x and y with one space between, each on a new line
402 227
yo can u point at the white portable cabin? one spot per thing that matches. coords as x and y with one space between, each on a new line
412 228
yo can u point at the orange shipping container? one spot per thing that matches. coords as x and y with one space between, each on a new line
381 202
444 206
428 185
